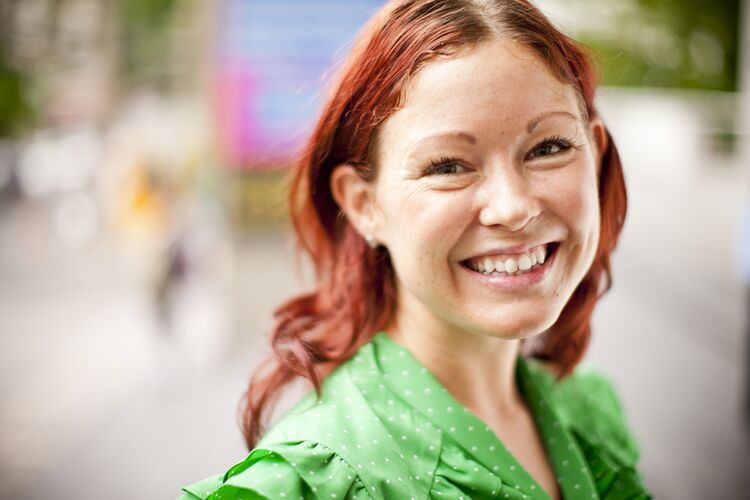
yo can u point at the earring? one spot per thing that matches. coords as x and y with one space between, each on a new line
370 239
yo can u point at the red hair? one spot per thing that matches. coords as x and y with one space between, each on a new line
355 294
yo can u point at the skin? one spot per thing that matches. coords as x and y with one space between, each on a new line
488 111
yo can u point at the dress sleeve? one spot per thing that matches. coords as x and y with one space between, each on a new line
297 470
596 415
597 409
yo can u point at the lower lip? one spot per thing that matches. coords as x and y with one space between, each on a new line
514 282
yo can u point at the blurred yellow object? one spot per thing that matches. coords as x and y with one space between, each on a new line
143 210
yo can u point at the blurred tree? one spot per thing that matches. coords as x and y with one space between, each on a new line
670 43
145 44
15 110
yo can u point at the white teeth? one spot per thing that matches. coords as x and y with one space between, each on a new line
541 254
521 264
489 266
524 263
499 266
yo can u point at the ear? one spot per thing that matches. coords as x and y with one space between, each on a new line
599 134
355 196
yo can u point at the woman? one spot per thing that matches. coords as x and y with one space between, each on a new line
460 198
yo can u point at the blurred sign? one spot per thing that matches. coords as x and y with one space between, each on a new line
273 60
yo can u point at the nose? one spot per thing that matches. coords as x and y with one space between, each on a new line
507 199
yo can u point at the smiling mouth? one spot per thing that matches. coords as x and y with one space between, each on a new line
515 265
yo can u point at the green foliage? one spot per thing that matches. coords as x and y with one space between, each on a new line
14 108
671 43
145 26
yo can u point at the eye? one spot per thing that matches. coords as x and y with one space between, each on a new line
550 147
445 166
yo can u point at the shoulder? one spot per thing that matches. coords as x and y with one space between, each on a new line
590 405
300 456
283 470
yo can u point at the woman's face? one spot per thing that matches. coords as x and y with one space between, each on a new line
485 172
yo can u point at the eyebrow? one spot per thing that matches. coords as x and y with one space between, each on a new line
534 122
465 136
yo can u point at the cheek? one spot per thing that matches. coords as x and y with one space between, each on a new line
420 227
421 219
573 196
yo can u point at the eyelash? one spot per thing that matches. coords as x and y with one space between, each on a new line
447 161
443 161
554 140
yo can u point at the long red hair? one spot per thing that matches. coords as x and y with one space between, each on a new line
355 294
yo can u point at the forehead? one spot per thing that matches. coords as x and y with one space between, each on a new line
494 87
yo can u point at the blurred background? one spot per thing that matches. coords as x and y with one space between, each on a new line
144 240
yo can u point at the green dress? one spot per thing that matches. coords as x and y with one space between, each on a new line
385 428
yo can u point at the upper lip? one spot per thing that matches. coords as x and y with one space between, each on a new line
508 250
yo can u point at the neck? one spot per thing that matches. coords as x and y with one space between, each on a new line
478 370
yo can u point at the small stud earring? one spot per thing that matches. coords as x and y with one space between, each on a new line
370 239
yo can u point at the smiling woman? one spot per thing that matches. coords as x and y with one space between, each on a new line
460 198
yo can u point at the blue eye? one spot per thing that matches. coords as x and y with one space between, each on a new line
445 166
550 146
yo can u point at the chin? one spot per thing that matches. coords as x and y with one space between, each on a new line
521 327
